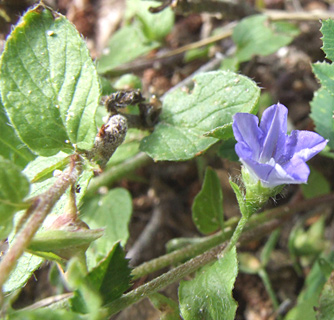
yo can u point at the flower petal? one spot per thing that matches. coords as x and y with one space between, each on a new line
273 174
297 169
259 171
304 144
274 126
246 131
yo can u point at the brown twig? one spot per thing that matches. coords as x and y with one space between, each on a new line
43 205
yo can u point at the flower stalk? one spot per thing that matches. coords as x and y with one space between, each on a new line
277 214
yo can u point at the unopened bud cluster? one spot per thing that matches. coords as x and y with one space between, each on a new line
108 139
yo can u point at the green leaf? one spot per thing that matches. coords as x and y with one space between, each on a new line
328 38
86 298
256 35
186 117
11 147
112 212
110 279
14 187
325 73
209 295
155 25
317 185
322 109
207 208
48 83
125 45
325 311
65 244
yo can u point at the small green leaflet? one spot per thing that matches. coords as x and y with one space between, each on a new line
156 26
110 278
209 295
111 212
125 45
255 35
49 85
207 209
187 117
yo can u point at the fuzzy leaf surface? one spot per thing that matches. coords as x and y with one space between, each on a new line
48 83
187 117
209 295
11 147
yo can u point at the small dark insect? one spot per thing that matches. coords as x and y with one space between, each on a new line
148 112
77 188
122 99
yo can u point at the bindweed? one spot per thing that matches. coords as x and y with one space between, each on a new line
270 156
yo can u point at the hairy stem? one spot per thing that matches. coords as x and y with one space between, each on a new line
164 280
280 213
42 205
258 226
187 268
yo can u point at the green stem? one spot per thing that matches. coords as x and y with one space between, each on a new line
185 253
237 233
183 270
280 213
267 284
164 280
117 172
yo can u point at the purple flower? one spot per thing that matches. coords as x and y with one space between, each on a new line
269 154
